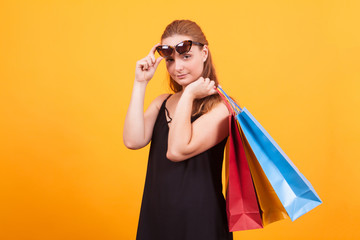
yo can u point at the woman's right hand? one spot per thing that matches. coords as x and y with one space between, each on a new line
145 68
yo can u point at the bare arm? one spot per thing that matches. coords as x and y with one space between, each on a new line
188 139
138 125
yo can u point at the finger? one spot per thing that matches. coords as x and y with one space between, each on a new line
153 59
150 60
152 51
139 64
157 61
209 87
212 84
142 63
144 66
212 91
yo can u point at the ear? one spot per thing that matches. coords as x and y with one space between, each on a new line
205 52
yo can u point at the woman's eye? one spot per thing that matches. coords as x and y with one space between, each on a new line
169 59
187 56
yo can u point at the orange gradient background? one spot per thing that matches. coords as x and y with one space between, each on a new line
66 74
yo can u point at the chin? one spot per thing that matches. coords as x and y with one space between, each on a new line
185 81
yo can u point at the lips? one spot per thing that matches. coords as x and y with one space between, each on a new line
180 76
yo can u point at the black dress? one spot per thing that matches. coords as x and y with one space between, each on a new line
182 200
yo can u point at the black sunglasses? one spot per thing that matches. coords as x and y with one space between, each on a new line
183 47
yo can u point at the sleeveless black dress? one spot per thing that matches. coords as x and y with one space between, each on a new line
182 200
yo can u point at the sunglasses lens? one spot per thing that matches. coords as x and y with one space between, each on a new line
183 47
164 50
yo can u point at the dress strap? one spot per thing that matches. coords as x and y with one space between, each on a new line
168 115
166 110
168 97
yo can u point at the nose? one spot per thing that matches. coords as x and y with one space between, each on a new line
178 65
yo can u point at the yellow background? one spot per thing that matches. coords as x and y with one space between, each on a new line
66 74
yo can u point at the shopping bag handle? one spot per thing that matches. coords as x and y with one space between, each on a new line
234 105
227 103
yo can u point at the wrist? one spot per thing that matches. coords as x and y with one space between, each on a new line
140 83
188 94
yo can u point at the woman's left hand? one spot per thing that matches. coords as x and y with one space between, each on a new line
201 88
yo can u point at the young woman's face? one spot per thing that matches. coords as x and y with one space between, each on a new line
188 67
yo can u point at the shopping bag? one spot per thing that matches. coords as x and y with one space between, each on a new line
241 203
271 208
294 191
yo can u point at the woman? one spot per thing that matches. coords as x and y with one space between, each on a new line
188 131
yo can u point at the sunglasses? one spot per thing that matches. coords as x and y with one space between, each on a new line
183 47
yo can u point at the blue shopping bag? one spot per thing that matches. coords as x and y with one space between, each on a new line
294 191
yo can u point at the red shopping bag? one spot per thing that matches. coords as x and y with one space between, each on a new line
242 207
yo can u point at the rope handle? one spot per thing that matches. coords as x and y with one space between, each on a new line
235 107
227 103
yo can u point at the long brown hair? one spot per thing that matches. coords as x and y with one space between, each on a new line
191 29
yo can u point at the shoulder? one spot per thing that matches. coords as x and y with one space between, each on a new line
218 114
220 109
158 101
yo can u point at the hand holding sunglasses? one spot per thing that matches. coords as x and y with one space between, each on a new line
145 68
181 48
